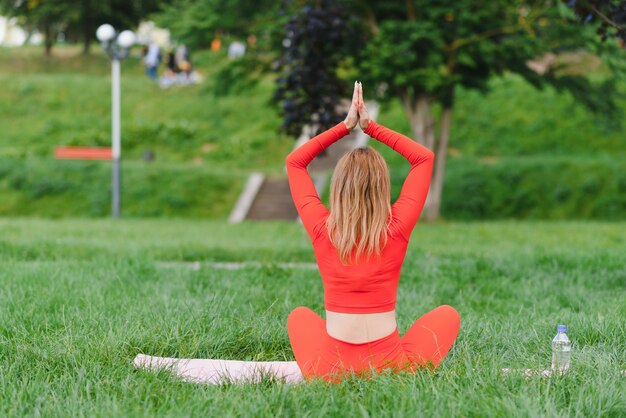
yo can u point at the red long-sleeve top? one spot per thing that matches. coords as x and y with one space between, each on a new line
369 285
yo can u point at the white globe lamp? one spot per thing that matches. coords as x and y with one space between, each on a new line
126 39
105 33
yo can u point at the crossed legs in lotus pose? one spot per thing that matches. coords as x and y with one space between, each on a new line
430 337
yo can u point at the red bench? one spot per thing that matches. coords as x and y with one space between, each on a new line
83 153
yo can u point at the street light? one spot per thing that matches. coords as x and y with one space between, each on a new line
116 46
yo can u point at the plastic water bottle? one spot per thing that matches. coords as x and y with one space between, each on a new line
561 348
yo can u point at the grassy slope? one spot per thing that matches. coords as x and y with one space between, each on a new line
82 189
205 145
81 298
65 101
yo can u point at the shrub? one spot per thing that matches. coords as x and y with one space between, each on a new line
535 188
79 188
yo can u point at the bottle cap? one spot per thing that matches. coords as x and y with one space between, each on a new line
561 328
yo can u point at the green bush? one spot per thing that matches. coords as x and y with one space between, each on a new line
83 189
535 188
514 119
528 188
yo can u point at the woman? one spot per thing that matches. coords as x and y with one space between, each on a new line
359 244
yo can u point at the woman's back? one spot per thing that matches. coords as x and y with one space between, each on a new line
380 271
368 285
360 298
364 288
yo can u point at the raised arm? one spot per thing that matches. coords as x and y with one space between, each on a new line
305 197
409 204
308 203
407 208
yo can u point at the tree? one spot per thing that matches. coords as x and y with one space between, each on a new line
308 87
421 52
611 15
78 19
197 22
122 14
47 16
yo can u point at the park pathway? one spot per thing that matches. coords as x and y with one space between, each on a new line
269 198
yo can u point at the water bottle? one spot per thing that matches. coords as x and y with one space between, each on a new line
560 351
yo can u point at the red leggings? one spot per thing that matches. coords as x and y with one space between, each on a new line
426 343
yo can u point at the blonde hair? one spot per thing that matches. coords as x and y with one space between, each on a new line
359 204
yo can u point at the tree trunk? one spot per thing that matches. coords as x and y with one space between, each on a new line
433 202
420 118
410 10
48 41
419 113
86 45
88 35
410 110
370 21
427 123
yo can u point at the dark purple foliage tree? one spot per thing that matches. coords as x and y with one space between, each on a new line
308 87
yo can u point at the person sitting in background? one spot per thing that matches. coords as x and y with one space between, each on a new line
170 76
236 49
183 63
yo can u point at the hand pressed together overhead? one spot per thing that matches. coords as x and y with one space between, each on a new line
357 113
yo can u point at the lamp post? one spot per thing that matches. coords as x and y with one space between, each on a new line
116 46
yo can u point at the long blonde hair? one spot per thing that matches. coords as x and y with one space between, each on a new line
359 204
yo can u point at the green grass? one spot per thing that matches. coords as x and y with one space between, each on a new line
81 297
510 148
67 101
83 189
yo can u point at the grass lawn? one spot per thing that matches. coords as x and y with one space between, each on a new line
65 100
507 146
79 298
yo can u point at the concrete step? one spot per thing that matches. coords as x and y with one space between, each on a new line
273 201
271 197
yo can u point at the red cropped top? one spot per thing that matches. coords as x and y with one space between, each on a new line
367 286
